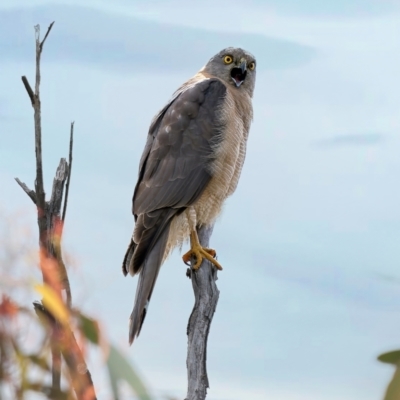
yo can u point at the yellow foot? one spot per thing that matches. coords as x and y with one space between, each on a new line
199 253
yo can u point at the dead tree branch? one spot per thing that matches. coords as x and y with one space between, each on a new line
31 193
45 36
28 89
206 296
71 143
50 226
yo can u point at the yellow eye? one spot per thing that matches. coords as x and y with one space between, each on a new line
252 65
228 59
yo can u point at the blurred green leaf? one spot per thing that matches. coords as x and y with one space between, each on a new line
90 328
119 368
391 357
393 389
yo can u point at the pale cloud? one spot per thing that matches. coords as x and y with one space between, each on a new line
129 44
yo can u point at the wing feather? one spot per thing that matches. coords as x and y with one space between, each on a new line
175 166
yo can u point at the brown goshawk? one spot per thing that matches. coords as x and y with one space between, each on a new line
191 163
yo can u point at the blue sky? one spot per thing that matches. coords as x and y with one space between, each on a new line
309 239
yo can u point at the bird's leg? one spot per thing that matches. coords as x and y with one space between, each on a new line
199 252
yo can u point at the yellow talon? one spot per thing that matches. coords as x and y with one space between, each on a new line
199 253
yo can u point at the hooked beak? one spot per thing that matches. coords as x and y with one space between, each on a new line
239 73
243 66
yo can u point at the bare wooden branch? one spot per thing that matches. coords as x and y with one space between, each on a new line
71 143
28 89
51 263
55 225
31 193
206 296
39 187
45 218
38 54
58 187
45 36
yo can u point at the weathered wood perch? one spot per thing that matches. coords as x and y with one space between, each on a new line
206 296
50 223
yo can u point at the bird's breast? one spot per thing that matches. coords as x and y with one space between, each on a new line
229 155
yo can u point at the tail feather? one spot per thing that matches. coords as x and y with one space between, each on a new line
147 279
148 228
128 257
144 256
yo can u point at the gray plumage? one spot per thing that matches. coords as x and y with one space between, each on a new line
191 162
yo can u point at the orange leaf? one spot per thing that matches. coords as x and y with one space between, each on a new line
7 307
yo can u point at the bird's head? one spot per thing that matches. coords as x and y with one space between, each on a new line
235 66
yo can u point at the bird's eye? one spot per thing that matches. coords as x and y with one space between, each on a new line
228 59
252 65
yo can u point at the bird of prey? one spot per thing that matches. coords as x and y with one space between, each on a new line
191 163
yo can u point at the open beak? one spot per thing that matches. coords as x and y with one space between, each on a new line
239 73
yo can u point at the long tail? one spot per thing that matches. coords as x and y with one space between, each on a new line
147 279
146 257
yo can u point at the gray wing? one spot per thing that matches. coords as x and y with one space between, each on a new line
175 166
174 171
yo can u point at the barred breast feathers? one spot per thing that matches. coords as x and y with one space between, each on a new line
236 115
